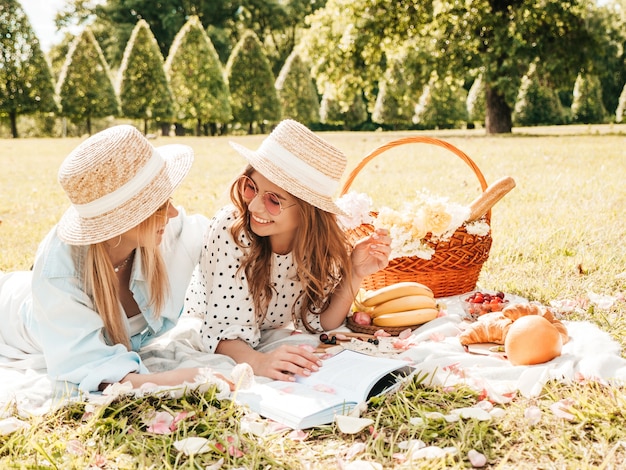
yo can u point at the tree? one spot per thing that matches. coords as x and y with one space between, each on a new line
26 84
442 104
587 107
296 91
116 19
344 112
349 40
394 106
85 87
197 78
143 89
475 103
253 96
620 112
537 102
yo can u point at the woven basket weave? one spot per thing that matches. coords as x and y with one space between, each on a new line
456 264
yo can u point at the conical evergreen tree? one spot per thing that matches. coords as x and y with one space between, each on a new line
196 78
297 92
26 84
393 107
587 107
476 101
143 89
442 104
620 112
537 104
85 87
253 96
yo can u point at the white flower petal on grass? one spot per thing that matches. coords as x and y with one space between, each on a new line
355 449
560 411
192 445
434 415
416 421
497 413
476 458
361 465
216 465
352 425
532 414
472 412
12 424
358 410
412 444
603 302
431 452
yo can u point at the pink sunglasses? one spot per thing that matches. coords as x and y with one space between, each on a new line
249 191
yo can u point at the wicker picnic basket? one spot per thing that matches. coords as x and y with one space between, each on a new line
456 264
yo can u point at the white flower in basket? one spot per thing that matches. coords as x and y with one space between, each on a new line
410 225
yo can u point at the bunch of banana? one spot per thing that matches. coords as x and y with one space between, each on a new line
397 305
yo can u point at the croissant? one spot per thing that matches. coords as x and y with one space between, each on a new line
490 328
521 310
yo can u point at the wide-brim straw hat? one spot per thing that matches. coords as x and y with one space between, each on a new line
300 162
115 180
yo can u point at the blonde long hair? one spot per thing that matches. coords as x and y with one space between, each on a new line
101 282
320 253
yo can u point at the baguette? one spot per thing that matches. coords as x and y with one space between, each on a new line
494 192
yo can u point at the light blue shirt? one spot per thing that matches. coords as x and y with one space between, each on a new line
65 325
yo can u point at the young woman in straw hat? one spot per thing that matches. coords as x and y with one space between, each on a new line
112 274
277 255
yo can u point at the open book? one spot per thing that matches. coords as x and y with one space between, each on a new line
345 380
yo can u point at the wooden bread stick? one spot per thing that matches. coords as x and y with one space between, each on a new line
492 194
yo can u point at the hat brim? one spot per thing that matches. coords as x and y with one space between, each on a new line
268 169
76 230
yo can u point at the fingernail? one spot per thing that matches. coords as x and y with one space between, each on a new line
315 368
306 372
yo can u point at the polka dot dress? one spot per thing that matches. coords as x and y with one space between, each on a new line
220 295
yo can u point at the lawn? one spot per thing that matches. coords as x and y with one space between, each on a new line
557 236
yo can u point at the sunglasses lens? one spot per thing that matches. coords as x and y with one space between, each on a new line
272 203
248 188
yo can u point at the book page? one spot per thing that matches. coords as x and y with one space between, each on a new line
353 375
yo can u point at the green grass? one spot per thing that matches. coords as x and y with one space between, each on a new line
558 235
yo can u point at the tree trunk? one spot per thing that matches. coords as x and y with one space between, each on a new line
145 127
497 113
165 129
13 117
88 125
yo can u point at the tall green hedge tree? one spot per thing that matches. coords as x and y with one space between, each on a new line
442 104
620 112
142 85
297 92
196 78
537 102
26 84
85 87
394 102
475 103
254 99
587 107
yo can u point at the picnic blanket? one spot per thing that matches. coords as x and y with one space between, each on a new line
591 354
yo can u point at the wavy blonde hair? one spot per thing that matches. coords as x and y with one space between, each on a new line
101 281
321 254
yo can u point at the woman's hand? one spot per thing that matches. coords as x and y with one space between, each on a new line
285 362
371 254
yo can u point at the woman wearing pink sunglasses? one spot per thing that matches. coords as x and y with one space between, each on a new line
277 259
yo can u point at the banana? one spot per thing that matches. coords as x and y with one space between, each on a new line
393 291
403 304
408 318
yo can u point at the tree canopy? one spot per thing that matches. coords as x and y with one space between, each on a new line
26 84
143 88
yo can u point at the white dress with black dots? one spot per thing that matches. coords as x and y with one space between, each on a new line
221 295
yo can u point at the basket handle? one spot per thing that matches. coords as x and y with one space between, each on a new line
412 140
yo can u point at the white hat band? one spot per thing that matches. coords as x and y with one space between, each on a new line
298 168
124 193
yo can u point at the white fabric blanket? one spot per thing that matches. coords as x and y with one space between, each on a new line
591 354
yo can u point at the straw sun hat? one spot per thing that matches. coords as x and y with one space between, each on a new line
115 180
300 162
